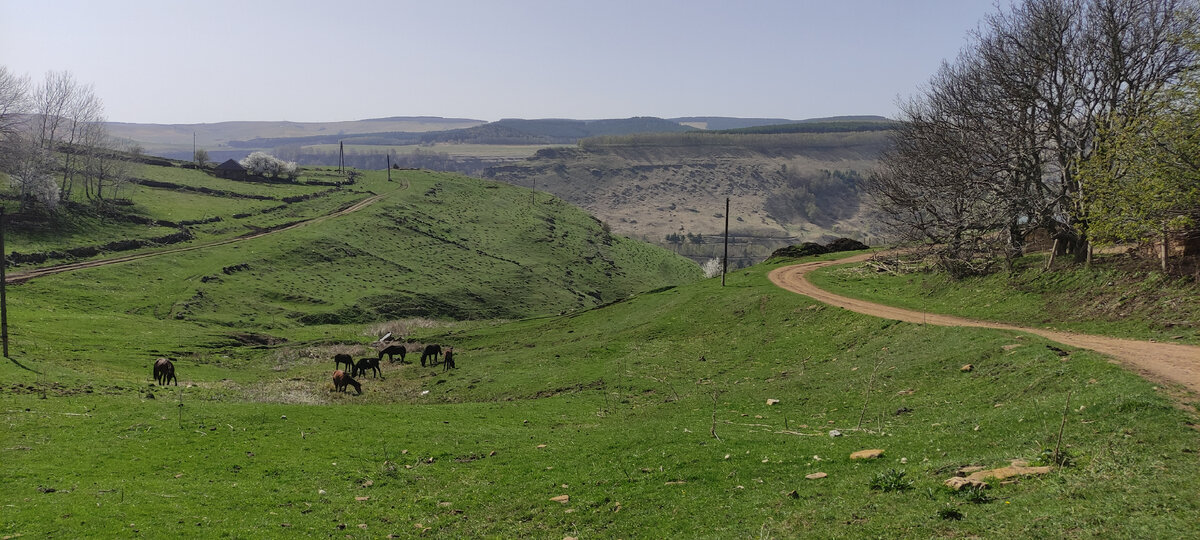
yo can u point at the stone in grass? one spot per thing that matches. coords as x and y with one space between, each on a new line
867 454
967 368
1018 468
561 499
957 483
968 469
816 476
772 401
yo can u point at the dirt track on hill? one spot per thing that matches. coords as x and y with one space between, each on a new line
1167 362
18 277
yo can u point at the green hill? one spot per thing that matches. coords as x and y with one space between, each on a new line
648 417
432 245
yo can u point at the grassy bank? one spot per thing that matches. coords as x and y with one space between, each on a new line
1114 297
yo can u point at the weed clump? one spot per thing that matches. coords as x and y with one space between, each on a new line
891 480
1052 457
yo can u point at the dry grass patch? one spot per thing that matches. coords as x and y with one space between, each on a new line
401 328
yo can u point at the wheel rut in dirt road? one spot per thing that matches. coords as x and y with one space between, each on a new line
1169 362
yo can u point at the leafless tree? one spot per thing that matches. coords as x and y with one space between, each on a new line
989 150
30 172
103 165
14 103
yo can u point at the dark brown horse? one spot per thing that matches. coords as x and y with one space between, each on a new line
164 372
342 358
432 352
367 363
393 349
341 380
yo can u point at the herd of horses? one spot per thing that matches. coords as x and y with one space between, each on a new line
164 369
432 355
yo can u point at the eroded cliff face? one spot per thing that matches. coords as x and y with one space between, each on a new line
783 189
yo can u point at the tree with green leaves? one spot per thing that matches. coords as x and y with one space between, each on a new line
990 150
1143 181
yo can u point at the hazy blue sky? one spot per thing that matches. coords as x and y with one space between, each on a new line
170 61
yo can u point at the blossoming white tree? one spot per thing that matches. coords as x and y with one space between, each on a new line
263 164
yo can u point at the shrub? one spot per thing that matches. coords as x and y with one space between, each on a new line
263 164
712 267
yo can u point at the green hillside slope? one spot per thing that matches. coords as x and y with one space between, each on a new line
646 418
432 245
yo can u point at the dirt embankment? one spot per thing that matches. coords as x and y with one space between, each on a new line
1169 362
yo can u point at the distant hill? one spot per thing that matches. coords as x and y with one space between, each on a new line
719 123
725 122
829 126
564 131
175 140
224 140
507 132
670 188
662 180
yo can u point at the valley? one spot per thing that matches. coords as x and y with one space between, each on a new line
602 388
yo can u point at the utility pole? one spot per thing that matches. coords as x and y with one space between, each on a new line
195 158
3 287
389 166
342 157
725 259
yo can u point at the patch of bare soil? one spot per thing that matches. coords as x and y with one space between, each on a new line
1167 362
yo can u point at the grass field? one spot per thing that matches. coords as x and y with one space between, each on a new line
606 415
1110 299
650 415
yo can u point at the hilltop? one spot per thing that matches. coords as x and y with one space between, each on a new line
220 138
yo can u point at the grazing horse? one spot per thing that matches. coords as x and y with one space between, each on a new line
367 363
164 372
342 358
448 359
431 351
340 380
393 349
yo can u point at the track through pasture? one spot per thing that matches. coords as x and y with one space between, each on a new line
1169 362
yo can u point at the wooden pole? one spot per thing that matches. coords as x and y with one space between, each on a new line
389 166
725 259
3 287
1166 246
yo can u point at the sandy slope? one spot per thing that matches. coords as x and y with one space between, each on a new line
1156 361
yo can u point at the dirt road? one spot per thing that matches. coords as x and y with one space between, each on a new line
1156 361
